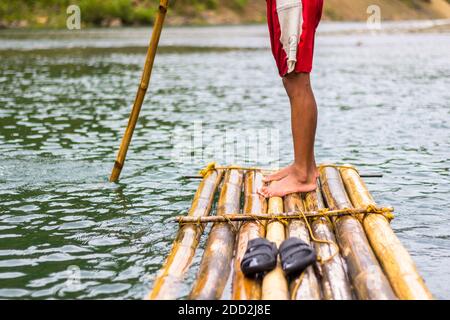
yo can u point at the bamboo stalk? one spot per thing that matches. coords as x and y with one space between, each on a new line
363 175
395 259
140 95
216 262
171 275
306 286
178 261
285 215
335 283
275 285
244 288
368 279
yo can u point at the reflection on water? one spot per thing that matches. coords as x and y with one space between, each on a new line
384 106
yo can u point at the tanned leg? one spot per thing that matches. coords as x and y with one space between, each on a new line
302 174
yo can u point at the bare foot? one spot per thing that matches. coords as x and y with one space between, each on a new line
280 174
296 181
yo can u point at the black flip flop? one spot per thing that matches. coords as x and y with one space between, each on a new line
260 257
296 255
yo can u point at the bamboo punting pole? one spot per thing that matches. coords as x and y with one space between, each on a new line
395 259
305 286
245 288
216 262
275 285
171 275
140 95
368 279
335 283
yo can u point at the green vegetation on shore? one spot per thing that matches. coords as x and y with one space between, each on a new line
52 13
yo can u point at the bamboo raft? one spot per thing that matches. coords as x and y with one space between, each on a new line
359 256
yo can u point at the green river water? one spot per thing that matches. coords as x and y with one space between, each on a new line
65 96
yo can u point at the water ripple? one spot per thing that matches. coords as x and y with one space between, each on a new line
63 113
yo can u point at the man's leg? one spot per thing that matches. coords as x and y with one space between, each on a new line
302 174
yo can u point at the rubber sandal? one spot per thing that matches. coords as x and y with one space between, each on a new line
296 255
260 257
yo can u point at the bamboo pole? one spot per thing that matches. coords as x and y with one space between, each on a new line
362 175
305 286
216 262
140 95
244 288
177 263
368 279
285 215
335 283
395 259
275 285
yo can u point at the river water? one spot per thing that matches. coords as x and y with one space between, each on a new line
66 232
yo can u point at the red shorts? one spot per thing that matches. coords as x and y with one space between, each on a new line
301 54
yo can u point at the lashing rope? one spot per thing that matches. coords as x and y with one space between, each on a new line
301 215
231 223
320 260
313 238
321 213
298 283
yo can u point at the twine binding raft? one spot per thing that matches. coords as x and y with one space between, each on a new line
359 256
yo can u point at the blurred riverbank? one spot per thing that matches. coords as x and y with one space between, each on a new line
189 37
119 13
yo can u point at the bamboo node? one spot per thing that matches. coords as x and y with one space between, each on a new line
118 165
162 9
